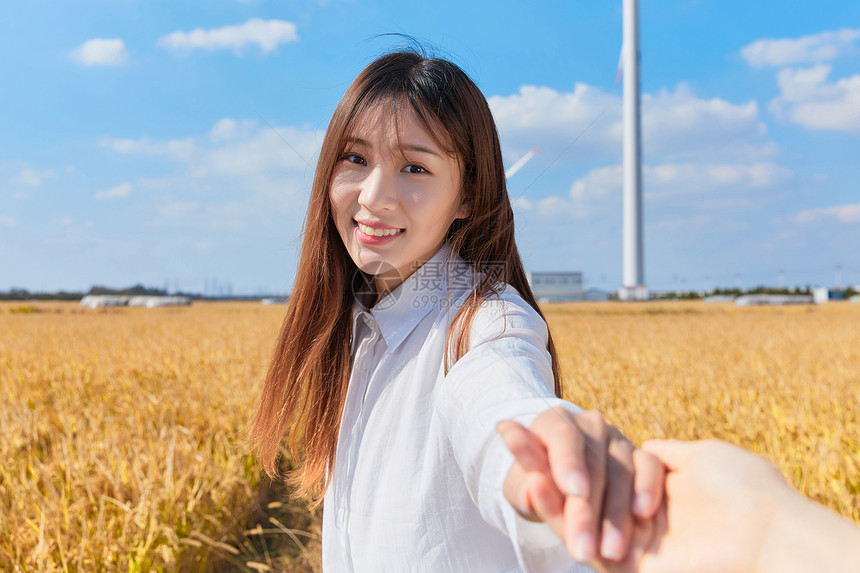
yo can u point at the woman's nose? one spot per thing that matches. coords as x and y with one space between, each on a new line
377 190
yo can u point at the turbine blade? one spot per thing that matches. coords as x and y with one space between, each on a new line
511 171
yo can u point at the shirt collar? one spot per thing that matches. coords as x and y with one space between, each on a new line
436 284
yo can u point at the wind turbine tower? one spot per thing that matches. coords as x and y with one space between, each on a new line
633 286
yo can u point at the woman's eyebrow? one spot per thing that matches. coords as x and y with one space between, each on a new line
421 149
357 141
405 147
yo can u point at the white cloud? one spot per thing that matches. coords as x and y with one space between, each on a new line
223 130
552 207
176 149
226 130
686 224
801 84
537 109
267 34
709 186
840 213
237 175
124 145
522 203
117 192
265 150
32 177
675 179
157 183
676 124
809 99
7 221
101 52
207 215
597 183
233 147
811 49
179 208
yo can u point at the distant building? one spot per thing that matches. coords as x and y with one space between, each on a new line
105 300
823 294
773 299
820 295
595 294
720 298
556 286
156 301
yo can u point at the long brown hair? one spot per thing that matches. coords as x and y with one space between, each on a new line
305 386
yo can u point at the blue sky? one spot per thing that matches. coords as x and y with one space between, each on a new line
136 147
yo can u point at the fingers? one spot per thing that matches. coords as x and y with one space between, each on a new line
548 503
529 485
673 453
617 524
517 494
649 476
571 462
527 450
646 533
585 479
577 448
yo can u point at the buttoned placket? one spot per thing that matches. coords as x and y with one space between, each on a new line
369 336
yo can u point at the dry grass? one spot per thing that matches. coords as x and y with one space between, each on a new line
121 430
781 381
122 434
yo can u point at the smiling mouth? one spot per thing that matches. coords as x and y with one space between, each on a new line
371 231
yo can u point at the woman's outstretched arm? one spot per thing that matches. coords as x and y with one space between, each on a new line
507 375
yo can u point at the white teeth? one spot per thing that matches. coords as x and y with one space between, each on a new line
377 232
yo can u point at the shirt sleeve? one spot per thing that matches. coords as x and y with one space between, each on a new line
505 375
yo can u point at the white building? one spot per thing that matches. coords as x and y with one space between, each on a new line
772 299
556 286
104 300
156 301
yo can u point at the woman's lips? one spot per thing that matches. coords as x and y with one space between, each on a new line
363 233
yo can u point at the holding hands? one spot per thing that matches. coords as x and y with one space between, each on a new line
584 479
722 507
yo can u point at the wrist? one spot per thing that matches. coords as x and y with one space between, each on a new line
783 512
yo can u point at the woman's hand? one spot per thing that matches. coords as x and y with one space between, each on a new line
583 478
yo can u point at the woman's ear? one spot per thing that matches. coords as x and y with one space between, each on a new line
465 210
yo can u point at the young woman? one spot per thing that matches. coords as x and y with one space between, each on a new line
412 335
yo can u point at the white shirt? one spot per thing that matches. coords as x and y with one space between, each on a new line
419 467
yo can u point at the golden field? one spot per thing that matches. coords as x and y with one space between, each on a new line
122 429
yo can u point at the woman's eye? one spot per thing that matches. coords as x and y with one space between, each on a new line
415 169
353 158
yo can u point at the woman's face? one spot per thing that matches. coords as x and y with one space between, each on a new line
407 188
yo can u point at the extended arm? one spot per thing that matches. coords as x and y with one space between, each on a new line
727 509
507 375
